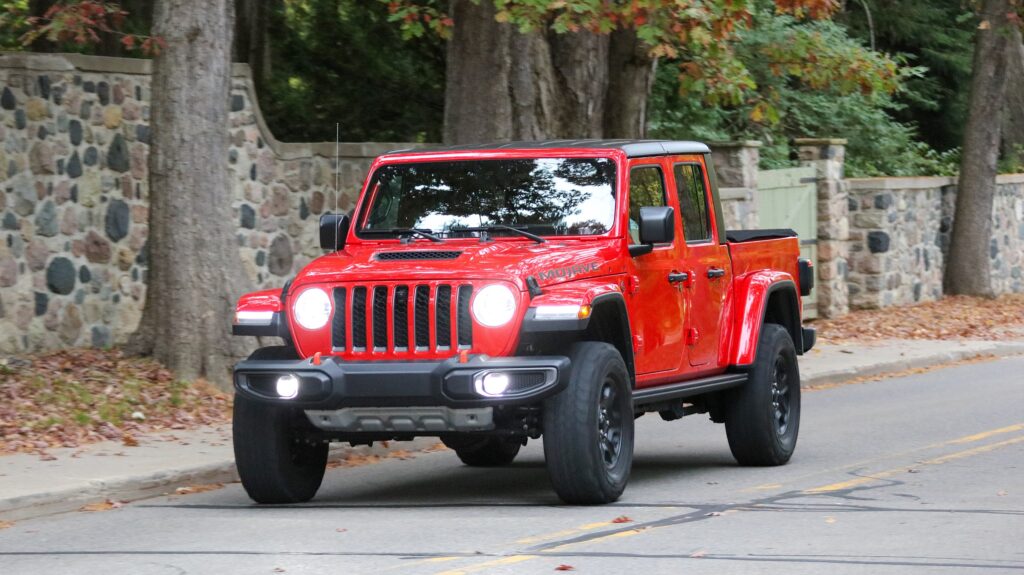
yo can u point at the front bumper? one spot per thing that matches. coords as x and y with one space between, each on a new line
335 384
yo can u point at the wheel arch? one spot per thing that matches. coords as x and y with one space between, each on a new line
765 298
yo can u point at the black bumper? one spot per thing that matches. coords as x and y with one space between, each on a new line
337 384
809 336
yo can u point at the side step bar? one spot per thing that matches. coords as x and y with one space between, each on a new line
688 388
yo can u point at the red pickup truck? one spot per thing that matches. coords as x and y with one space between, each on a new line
494 294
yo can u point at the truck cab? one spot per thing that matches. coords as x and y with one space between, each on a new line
489 295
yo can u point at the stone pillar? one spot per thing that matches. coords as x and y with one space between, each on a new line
827 156
736 170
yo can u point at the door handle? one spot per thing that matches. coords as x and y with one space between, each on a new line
676 277
714 273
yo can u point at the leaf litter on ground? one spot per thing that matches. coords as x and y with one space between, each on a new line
73 397
952 317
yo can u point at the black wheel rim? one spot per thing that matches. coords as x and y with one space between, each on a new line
781 396
609 424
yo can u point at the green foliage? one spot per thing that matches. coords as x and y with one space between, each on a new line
13 24
812 80
345 62
937 35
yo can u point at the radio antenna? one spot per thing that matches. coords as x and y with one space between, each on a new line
337 179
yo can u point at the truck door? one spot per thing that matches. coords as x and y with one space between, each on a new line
657 303
706 259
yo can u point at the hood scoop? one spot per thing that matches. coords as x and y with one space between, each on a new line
405 255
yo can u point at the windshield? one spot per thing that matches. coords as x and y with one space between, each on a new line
544 196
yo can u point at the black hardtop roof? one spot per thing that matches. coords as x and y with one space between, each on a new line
632 148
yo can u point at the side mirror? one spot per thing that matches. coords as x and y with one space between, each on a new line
333 230
657 226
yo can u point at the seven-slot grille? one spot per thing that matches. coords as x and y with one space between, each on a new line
401 318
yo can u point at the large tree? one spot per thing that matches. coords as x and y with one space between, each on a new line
195 273
968 269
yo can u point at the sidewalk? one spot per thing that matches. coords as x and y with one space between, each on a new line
161 463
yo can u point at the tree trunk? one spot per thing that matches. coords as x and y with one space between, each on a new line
250 44
503 85
968 267
1013 127
477 106
630 78
195 272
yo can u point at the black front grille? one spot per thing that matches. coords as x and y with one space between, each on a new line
380 318
419 255
359 319
384 318
340 312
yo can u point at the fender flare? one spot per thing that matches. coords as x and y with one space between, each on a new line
754 313
598 298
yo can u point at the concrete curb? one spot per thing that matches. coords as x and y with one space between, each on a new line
842 375
153 484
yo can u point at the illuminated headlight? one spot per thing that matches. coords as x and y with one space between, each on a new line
492 384
312 308
494 306
287 386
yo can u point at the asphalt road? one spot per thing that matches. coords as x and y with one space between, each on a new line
921 474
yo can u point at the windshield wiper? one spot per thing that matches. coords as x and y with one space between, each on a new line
503 227
404 233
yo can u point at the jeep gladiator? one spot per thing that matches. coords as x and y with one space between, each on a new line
490 295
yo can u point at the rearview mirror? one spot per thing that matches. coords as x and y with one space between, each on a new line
333 230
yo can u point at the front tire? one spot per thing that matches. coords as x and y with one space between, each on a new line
275 459
763 416
588 428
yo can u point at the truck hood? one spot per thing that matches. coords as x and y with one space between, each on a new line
512 260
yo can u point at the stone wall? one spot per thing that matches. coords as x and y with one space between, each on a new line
900 233
736 171
74 134
74 142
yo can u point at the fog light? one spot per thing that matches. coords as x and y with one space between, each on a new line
492 384
287 386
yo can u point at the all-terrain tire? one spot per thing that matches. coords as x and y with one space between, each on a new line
762 417
588 428
275 460
486 451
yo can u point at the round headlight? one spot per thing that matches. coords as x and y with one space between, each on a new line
494 305
312 308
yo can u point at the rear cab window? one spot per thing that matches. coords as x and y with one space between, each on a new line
693 201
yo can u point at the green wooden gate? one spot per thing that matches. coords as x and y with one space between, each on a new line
788 198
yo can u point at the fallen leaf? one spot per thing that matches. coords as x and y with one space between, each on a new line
102 506
6 524
622 519
129 441
341 530
830 520
698 554
912 470
190 489
712 514
400 454
564 567
278 569
1001 493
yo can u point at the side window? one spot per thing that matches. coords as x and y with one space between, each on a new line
646 188
693 201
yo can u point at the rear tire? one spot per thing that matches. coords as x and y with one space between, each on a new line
485 451
762 417
275 460
588 428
